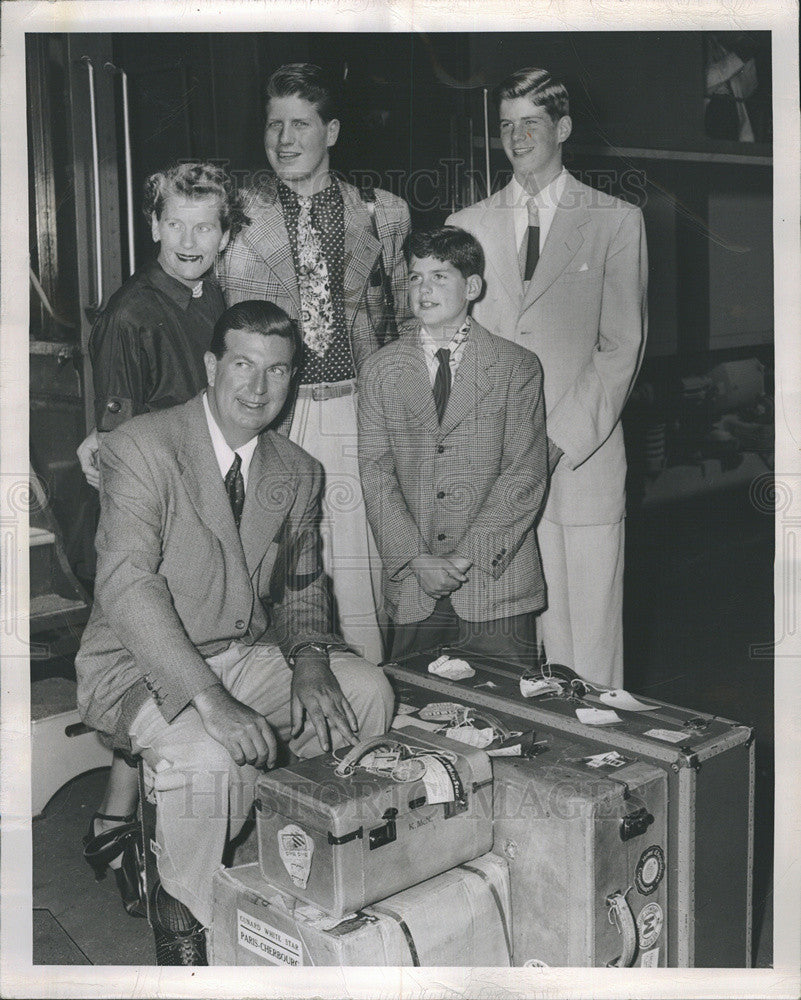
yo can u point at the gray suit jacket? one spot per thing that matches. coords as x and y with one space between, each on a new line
474 484
176 582
584 314
258 262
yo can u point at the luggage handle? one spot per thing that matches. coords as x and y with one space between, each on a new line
355 754
621 916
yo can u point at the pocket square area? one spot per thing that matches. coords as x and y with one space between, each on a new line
584 267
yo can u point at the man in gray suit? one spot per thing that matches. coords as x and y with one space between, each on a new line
210 632
566 277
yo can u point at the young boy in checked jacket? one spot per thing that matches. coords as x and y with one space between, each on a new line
454 465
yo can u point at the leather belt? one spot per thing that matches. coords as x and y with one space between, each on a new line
327 390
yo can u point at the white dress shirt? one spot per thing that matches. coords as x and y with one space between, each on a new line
546 200
225 454
456 347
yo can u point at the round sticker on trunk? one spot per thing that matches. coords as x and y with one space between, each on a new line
649 924
650 870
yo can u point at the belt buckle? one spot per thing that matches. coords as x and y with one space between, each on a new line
317 393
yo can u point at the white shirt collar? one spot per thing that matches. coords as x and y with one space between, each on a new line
456 341
222 451
546 200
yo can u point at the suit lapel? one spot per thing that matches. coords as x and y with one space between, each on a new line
500 244
414 382
271 490
200 474
562 243
268 236
472 381
361 248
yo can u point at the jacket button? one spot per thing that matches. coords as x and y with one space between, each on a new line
441 495
239 624
113 406
441 537
440 448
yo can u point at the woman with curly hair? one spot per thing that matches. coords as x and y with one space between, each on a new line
147 352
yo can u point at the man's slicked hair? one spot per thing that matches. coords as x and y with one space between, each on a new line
450 245
311 83
256 316
539 87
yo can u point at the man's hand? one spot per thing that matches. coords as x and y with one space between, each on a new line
440 575
246 735
87 456
316 691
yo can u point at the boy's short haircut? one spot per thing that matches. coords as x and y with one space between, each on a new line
539 87
311 83
450 245
195 179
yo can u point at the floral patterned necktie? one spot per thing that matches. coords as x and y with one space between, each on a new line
316 306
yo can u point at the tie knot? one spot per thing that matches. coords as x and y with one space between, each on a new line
533 213
444 355
235 465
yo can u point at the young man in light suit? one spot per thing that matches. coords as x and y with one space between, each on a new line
312 249
208 586
567 277
454 464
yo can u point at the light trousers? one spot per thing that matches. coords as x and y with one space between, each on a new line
327 430
582 627
202 796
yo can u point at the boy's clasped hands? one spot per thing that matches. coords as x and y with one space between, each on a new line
440 575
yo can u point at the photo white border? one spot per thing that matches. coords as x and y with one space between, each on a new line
17 977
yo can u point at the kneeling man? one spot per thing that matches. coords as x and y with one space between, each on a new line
209 637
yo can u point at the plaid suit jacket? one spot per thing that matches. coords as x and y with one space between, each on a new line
258 264
473 484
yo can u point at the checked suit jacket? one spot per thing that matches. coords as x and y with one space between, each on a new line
258 263
473 484
177 582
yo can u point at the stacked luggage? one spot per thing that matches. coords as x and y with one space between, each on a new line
378 856
488 829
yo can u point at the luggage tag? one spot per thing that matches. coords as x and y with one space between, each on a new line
382 760
531 688
452 669
624 701
479 738
597 716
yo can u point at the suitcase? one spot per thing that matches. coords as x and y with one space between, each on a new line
584 830
341 837
709 763
460 918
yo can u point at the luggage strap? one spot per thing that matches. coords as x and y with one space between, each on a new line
488 882
621 916
387 912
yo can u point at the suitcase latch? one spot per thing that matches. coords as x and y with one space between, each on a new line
635 823
384 834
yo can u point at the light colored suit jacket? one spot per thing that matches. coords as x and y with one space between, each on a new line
258 262
473 484
584 314
176 582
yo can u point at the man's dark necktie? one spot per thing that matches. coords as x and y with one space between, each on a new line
235 488
442 382
531 241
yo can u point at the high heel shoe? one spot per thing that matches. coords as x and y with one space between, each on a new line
120 841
